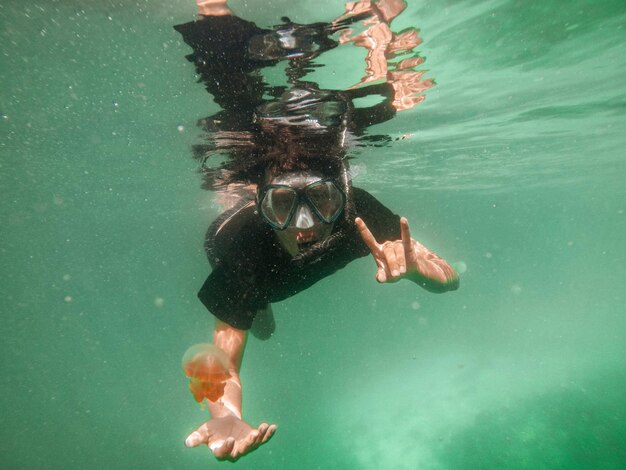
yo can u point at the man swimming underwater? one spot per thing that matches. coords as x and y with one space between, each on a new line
305 222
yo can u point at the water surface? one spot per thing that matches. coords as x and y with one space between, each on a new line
513 170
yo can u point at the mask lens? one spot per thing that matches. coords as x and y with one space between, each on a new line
277 205
327 199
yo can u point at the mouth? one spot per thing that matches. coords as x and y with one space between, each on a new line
305 240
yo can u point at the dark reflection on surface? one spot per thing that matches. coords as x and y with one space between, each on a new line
230 54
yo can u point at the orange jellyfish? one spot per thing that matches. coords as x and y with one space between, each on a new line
206 365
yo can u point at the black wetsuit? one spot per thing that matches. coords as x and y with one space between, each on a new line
251 269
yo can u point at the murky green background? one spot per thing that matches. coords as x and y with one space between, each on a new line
515 172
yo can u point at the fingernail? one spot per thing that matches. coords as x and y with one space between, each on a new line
192 440
395 273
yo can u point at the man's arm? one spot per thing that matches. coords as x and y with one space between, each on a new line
213 7
233 342
226 434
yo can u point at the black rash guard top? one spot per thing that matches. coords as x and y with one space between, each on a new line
251 269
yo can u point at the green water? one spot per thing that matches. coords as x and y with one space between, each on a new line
515 172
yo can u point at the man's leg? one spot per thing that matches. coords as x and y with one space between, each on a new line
263 326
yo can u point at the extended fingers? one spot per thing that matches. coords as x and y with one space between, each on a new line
270 432
256 438
266 431
407 242
374 247
367 236
246 445
392 257
405 233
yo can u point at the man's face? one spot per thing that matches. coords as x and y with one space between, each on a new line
305 227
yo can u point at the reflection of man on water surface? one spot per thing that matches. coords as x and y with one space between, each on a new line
296 218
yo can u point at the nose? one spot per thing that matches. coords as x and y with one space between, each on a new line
304 218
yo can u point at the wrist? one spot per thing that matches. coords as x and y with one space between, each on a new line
213 8
222 409
230 402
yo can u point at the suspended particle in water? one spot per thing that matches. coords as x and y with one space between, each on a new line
159 302
516 289
180 128
206 366
415 305
66 277
488 255
460 267
68 298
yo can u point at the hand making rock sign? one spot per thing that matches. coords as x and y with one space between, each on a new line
408 259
